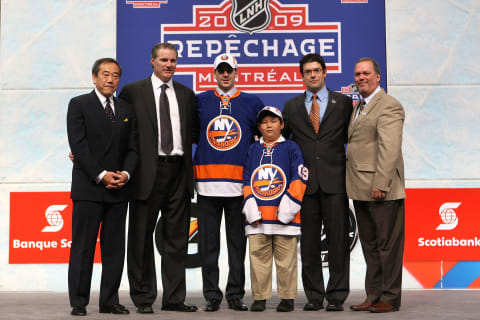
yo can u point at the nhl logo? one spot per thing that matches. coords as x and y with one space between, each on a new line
250 15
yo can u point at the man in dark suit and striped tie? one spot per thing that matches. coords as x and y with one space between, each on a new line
317 121
102 135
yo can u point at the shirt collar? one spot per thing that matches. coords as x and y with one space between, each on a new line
102 98
228 94
321 95
279 140
157 82
367 99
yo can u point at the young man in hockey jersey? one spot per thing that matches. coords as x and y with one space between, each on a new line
227 126
274 181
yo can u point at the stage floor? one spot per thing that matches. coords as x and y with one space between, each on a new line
417 304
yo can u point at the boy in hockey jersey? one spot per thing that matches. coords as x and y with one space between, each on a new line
227 125
274 181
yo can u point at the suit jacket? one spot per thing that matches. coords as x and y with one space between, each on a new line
140 95
323 153
98 144
374 151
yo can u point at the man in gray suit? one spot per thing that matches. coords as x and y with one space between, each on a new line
375 182
167 124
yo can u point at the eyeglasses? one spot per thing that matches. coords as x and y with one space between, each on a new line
312 71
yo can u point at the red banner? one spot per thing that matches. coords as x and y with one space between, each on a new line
442 224
41 228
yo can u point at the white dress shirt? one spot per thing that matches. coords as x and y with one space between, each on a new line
174 115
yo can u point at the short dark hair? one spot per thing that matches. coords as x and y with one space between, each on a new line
312 57
96 65
163 45
376 66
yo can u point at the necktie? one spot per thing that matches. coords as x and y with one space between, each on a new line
166 135
361 105
109 110
315 114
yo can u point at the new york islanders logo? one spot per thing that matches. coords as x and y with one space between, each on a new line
268 182
224 133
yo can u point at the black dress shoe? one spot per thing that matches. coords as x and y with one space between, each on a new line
334 307
78 311
237 304
212 305
313 306
144 309
115 309
258 305
180 307
285 305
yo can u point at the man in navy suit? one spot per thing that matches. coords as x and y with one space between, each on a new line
317 121
167 124
102 135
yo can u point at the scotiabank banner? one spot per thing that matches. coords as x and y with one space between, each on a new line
442 224
267 37
41 228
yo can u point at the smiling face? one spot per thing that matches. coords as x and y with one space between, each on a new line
164 64
366 79
314 76
225 76
271 128
107 78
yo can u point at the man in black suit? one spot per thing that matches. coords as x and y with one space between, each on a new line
102 136
317 121
167 125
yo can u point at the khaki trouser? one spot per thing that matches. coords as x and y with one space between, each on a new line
263 248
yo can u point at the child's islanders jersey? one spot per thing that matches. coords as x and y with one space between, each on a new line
274 182
227 127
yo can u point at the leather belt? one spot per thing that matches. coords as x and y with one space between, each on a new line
170 159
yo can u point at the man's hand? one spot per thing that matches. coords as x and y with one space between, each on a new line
114 180
70 155
378 194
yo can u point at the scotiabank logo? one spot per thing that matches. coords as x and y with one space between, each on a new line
448 215
41 227
54 218
454 238
268 37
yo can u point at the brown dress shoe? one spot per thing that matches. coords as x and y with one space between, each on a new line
364 306
381 307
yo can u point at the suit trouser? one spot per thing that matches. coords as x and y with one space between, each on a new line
209 221
332 209
170 196
263 248
381 226
86 219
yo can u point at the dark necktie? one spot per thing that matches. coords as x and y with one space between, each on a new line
166 135
315 114
109 110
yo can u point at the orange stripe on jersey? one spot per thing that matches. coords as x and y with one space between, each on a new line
297 189
218 171
247 191
270 213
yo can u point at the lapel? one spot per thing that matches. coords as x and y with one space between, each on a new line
149 98
302 112
330 106
100 118
364 114
98 111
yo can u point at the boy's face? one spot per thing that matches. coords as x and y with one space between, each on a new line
271 128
